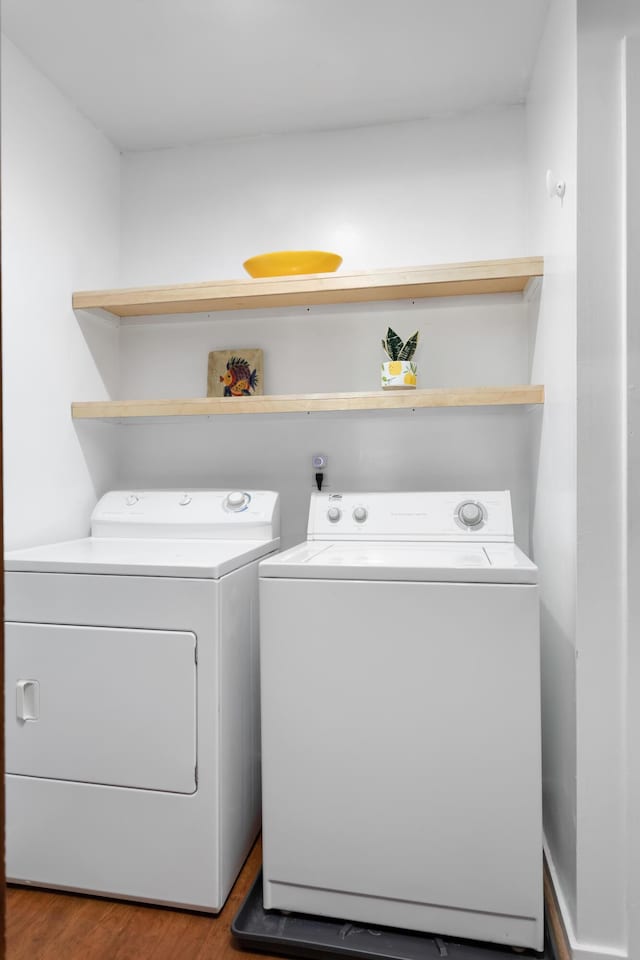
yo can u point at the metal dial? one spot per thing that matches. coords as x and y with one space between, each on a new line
360 514
334 514
470 514
236 501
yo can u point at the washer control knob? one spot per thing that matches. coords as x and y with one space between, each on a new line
236 501
470 513
360 514
132 499
185 500
334 514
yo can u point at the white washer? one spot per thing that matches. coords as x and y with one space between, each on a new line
132 698
401 718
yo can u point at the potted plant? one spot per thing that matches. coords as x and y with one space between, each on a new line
399 371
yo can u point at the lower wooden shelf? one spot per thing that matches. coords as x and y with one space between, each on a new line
309 402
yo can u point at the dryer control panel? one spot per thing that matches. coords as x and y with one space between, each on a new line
188 514
439 516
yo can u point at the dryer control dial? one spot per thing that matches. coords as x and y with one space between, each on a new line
470 513
236 501
360 514
334 514
132 499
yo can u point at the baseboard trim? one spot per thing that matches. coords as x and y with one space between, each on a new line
564 941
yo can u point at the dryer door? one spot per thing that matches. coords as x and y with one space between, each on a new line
101 705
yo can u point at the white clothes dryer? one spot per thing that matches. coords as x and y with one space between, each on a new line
132 698
401 718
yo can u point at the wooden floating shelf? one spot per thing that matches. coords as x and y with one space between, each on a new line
309 403
443 280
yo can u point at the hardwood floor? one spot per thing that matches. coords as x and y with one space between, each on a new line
42 925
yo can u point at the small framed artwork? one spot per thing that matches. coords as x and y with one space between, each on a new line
235 373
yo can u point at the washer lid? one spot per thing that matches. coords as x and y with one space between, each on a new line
205 559
420 561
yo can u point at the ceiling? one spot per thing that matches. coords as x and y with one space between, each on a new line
160 73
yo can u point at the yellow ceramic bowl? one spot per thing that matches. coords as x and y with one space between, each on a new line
285 263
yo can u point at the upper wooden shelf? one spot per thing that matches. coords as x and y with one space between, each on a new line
443 280
309 403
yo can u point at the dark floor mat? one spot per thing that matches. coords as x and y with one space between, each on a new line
300 935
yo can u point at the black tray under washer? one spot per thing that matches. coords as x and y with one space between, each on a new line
301 935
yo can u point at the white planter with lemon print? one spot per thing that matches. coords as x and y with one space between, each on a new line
399 372
399 375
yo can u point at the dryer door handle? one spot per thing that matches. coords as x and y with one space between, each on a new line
28 700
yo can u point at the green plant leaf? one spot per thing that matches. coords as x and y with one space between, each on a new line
384 346
394 345
409 348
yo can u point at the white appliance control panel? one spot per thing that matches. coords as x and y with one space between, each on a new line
450 516
188 514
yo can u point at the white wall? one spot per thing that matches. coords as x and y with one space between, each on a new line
60 232
551 135
632 258
602 919
579 526
395 195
